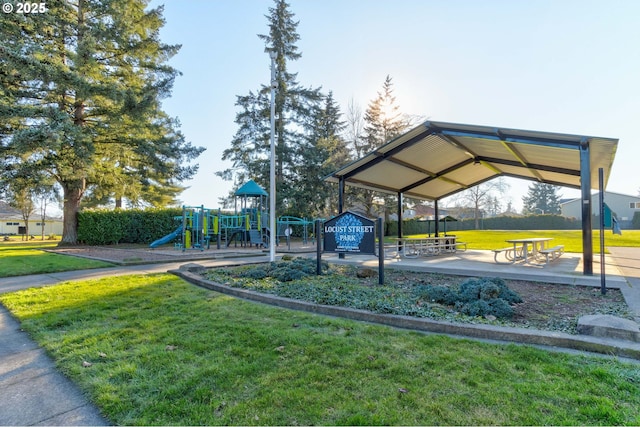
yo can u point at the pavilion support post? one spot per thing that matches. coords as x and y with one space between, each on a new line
400 221
585 187
436 217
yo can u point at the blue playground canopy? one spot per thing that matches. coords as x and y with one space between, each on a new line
251 189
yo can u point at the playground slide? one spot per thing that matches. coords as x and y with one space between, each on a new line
166 239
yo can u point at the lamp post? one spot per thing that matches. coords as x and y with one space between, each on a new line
272 171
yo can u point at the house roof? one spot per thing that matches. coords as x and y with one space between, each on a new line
7 211
438 159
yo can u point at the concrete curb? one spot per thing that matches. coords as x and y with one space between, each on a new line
486 332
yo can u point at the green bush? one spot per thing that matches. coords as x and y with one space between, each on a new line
287 273
254 273
437 294
108 227
480 308
486 289
474 297
284 271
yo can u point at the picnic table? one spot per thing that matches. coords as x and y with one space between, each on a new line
413 247
520 250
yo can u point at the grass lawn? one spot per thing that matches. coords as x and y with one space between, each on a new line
571 239
22 258
159 351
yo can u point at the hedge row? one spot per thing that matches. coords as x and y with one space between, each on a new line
109 227
635 222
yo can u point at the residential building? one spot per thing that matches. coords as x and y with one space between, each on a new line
623 207
11 223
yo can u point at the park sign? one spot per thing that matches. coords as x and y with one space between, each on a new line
349 233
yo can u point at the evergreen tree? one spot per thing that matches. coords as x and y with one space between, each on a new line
295 109
541 198
81 89
382 123
383 120
322 152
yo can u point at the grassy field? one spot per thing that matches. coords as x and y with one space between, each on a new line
22 258
571 239
154 350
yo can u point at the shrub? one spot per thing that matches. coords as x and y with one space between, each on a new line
495 307
284 271
438 294
474 297
469 290
635 222
254 273
104 227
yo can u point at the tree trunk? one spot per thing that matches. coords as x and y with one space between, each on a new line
73 192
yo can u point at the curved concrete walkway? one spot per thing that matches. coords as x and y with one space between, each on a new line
33 392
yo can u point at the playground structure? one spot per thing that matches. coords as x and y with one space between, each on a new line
248 226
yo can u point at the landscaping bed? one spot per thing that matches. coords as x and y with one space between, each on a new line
545 306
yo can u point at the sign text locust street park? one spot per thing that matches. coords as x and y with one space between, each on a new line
349 233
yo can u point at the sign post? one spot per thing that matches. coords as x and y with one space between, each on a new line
318 232
604 209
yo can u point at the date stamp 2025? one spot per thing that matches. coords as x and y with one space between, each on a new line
24 7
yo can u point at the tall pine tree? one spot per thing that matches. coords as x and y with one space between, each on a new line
81 91
382 122
322 152
295 108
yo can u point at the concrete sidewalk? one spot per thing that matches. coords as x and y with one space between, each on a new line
33 392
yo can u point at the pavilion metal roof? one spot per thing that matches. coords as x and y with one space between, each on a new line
437 159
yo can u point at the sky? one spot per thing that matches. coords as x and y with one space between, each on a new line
545 65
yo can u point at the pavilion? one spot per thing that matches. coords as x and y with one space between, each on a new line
436 160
